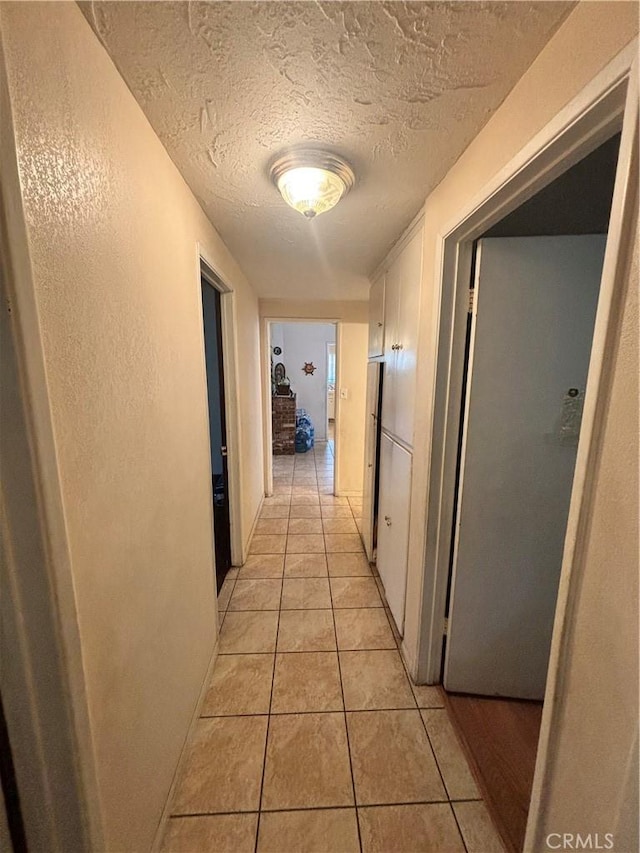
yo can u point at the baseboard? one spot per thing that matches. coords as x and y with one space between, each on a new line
245 545
410 662
343 493
157 841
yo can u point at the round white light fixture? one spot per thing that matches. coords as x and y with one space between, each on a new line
312 181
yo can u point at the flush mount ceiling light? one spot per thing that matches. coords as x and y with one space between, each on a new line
312 181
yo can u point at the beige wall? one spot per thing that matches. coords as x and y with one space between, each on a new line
584 44
113 231
353 334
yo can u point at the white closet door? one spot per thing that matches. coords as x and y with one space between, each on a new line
393 524
408 320
535 308
370 455
391 307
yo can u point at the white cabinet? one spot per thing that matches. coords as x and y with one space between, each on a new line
401 317
376 317
393 524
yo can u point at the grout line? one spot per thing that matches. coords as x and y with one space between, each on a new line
346 727
435 758
460 832
320 808
334 711
266 740
328 651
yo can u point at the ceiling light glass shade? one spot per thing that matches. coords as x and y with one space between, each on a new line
312 182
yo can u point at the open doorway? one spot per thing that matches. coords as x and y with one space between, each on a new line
304 411
331 394
534 295
214 360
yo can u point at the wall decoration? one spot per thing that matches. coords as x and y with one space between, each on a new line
277 351
279 372
308 368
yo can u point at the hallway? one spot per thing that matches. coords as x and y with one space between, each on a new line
311 736
330 164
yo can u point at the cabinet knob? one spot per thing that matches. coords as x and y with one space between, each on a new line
387 518
379 325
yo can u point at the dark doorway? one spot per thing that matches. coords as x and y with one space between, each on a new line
212 319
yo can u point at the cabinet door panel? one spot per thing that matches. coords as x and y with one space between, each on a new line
408 319
393 524
376 318
391 304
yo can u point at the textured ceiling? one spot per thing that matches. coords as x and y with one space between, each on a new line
399 89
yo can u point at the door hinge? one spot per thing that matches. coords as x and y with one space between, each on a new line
471 299
445 627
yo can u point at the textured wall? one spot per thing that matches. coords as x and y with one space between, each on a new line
399 88
113 231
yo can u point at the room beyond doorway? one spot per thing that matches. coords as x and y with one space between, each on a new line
303 405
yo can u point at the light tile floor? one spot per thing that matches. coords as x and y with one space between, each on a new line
312 738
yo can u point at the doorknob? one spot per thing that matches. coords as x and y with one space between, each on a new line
387 518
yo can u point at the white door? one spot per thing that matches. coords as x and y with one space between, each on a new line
391 308
393 524
535 306
408 322
370 455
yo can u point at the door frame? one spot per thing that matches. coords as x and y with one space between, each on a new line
267 322
606 105
207 272
335 359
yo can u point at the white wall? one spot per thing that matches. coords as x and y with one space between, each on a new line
352 343
300 343
113 233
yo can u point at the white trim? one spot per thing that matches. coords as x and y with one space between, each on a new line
208 271
266 393
166 811
406 236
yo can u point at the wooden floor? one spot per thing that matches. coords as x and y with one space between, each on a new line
501 738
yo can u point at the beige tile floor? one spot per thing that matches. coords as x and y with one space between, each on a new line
312 738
